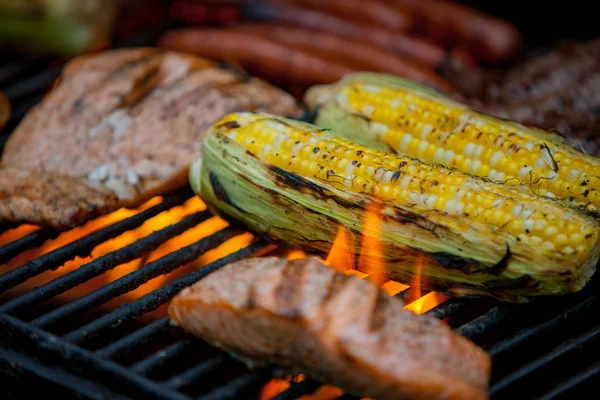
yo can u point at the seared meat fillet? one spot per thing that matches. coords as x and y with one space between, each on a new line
306 317
59 200
4 110
130 121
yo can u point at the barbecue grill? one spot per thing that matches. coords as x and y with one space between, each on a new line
66 336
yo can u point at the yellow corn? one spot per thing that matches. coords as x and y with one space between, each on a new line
422 124
422 186
297 183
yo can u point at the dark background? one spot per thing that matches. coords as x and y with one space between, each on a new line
541 22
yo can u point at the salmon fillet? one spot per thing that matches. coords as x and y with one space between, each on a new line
130 121
306 317
4 110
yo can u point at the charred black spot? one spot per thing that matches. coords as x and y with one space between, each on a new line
229 125
354 162
362 117
583 183
434 183
585 194
502 264
479 135
524 282
358 153
303 185
453 261
78 105
396 176
571 198
220 192
316 150
402 164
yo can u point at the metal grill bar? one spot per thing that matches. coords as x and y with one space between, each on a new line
137 338
239 385
448 308
566 385
201 370
137 278
85 362
156 298
107 262
486 321
84 388
347 396
298 389
34 239
523 336
84 246
545 359
28 86
158 359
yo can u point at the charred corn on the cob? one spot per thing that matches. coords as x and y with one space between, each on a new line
298 183
411 119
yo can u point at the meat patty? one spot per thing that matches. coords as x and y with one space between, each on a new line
306 317
130 121
4 110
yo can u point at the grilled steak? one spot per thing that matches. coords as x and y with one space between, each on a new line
130 121
306 317
4 110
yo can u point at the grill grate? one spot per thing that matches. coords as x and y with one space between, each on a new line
546 349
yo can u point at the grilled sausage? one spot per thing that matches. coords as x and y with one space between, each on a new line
304 316
259 56
355 55
490 39
425 52
4 110
374 13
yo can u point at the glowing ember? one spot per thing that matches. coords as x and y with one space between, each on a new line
17 233
341 254
371 260
296 255
426 303
393 288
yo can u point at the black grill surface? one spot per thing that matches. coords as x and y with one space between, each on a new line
546 349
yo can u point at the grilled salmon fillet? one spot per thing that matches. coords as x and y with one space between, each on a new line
4 110
129 121
306 317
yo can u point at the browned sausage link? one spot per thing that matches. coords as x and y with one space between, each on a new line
4 110
355 55
490 39
259 56
422 51
374 13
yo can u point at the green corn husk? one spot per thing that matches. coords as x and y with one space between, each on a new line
66 27
455 256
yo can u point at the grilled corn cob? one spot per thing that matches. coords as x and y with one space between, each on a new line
298 183
408 118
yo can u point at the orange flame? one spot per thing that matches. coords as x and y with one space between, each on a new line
296 255
341 254
371 260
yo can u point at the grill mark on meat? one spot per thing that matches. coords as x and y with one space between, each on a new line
288 291
377 318
78 104
173 109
